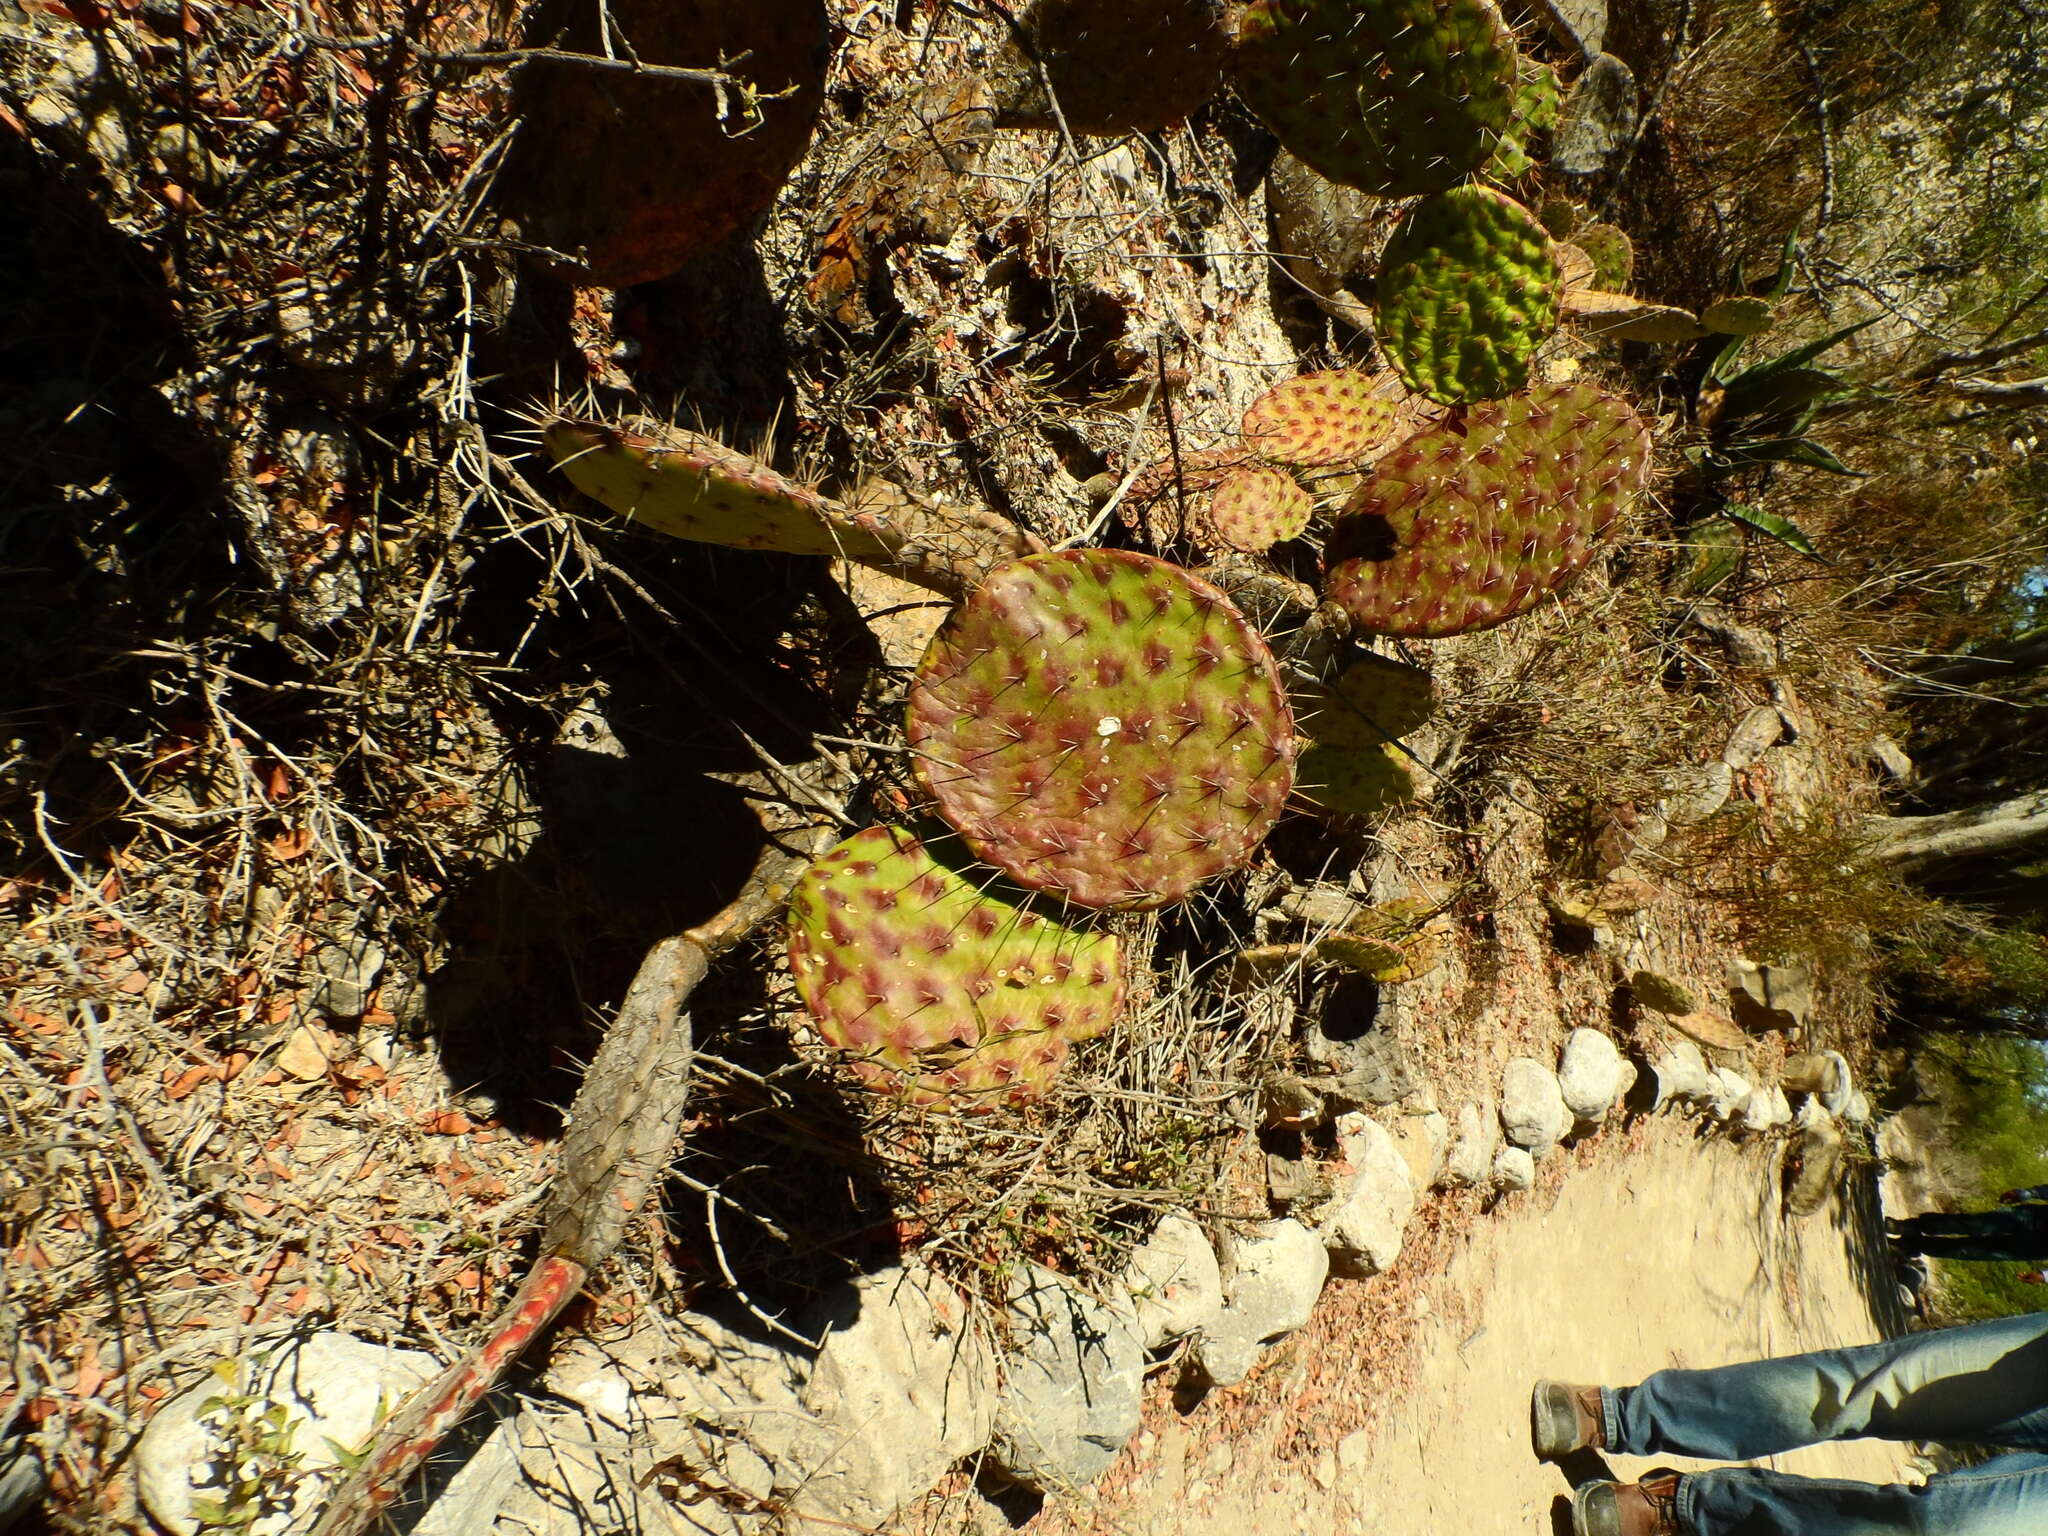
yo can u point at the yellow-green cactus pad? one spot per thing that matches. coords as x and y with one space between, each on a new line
1353 781
1468 291
1373 701
1258 506
1318 419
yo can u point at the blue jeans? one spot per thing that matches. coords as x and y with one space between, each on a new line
1985 1384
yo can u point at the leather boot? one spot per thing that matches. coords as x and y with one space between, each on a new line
1564 1418
1648 1508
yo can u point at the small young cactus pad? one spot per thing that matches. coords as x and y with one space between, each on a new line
1394 97
1468 290
1373 701
1258 506
944 992
1103 726
1318 419
1613 253
1469 523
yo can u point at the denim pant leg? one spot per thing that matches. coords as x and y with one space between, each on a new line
1984 1384
2007 1496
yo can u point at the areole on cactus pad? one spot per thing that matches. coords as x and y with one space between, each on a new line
1472 521
1103 726
943 991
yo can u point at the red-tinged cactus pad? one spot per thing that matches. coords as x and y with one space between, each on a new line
1258 506
1472 521
1394 97
1353 781
1318 419
943 992
1103 726
1373 701
1468 290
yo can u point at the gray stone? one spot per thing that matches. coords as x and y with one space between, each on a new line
1729 1092
1514 1169
1597 117
333 1388
1766 1109
1073 1386
1755 734
1173 1281
1771 996
1836 1099
1369 1070
1272 1276
1745 647
1696 791
1891 759
21 1482
1589 1074
1681 1073
1533 1112
1362 1230
1424 1141
343 974
1470 1159
904 1386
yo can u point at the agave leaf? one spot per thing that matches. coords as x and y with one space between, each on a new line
1783 529
1787 450
1798 357
1787 391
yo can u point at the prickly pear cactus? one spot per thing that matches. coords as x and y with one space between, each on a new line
1353 781
1373 701
1537 96
1113 67
1103 726
1469 523
1613 253
1258 506
1394 97
1738 316
1468 290
629 176
1316 419
944 992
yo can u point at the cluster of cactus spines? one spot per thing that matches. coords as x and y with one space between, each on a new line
1537 96
1373 701
1394 97
690 486
1103 726
1353 781
1468 290
1470 522
1113 67
943 993
703 160
1257 507
1319 419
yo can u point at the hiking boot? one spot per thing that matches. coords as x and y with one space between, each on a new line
1648 1508
1564 1418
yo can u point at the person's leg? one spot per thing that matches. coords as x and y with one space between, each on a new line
2007 1496
2018 1233
2022 1247
1981 1384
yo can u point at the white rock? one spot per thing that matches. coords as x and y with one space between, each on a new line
1173 1281
1696 791
1766 1109
1532 1107
1856 1108
1682 1073
1754 735
1362 1229
1424 1141
333 1387
904 1386
1729 1092
1073 1388
1514 1169
1271 1279
1589 1074
1845 1084
1470 1159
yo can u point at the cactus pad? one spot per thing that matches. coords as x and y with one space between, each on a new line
1468 290
944 992
1258 506
1353 781
1469 523
1114 67
1373 701
1537 96
1317 419
1394 97
1103 726
1613 253
1739 316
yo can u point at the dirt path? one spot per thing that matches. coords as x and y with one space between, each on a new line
1662 1250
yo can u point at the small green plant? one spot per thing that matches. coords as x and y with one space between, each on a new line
255 1465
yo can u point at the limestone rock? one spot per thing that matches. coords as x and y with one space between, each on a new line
904 1387
1891 759
1514 1169
1598 117
1272 1277
1771 996
1766 1109
1173 1281
1696 791
343 973
1589 1075
1819 1153
1073 1389
1368 1070
1290 1102
1363 1229
1729 1092
1681 1073
1755 734
332 1388
1835 1099
1470 1159
1532 1107
1424 1140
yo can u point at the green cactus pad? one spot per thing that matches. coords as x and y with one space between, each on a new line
1468 290
1559 215
1537 96
1319 419
945 992
1394 97
1353 781
1739 316
692 487
1373 701
1103 726
1258 506
1472 521
1613 253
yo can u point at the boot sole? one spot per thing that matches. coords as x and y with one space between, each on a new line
1584 1522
